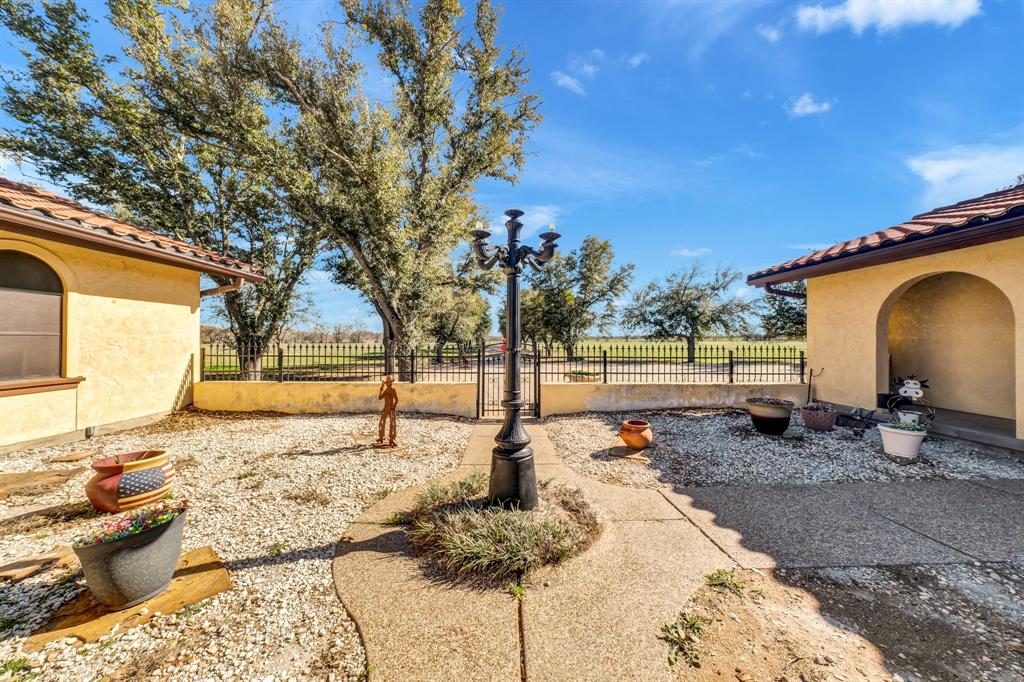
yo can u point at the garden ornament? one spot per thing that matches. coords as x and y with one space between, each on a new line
390 397
910 389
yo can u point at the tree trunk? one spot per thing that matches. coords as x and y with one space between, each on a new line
250 359
691 349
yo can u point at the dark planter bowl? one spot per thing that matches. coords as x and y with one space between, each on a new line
126 572
770 418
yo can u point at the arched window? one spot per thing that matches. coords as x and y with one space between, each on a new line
31 298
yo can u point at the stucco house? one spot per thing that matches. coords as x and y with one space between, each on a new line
99 319
940 296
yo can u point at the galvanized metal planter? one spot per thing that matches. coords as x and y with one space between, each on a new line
128 571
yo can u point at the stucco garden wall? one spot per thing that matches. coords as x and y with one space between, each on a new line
848 320
326 397
131 328
572 398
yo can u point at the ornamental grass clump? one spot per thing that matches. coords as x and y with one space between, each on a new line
133 524
456 527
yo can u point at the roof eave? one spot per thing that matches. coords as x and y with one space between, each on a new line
16 219
912 247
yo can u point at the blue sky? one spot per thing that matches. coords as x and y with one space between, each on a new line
747 133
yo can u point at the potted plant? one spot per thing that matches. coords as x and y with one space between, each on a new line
582 376
770 415
902 440
131 559
819 416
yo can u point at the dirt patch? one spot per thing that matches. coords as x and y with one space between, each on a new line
773 632
916 623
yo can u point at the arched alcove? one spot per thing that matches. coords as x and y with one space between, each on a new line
957 331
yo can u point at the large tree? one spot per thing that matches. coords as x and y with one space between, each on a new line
137 133
578 292
690 305
784 316
394 180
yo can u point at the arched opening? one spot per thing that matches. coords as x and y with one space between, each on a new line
957 331
31 308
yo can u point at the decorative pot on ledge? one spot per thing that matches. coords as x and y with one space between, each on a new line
770 416
636 434
130 480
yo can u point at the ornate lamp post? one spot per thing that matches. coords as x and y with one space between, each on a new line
513 476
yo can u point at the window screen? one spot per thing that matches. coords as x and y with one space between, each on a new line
30 317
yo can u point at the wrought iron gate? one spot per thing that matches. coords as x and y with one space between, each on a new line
490 387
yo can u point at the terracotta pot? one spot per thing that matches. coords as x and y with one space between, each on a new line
770 416
818 420
636 434
130 480
126 572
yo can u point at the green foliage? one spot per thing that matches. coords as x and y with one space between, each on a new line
783 316
148 139
393 181
516 590
726 579
465 536
278 548
683 636
691 304
576 293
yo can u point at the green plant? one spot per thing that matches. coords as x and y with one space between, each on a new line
759 592
917 427
726 579
7 623
278 548
149 517
683 636
14 666
465 536
517 590
398 519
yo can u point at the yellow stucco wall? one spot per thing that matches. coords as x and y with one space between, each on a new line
131 328
848 323
325 397
572 398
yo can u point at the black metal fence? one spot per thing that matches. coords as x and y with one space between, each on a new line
590 363
336 362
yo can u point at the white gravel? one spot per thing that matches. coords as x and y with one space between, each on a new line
240 473
703 447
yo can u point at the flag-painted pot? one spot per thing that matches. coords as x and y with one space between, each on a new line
125 572
770 416
636 434
130 480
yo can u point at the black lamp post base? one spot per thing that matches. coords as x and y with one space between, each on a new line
513 479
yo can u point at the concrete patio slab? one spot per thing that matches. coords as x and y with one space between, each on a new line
1009 485
615 502
597 617
979 520
416 628
803 526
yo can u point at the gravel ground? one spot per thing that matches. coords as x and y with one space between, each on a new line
702 447
272 494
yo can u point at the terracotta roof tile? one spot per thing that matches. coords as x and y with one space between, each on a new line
94 223
990 206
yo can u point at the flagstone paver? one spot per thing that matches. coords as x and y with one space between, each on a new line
596 617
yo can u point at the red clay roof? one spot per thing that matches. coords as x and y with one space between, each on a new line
77 220
940 220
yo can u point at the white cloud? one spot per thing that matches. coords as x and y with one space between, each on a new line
966 171
806 105
597 54
744 292
637 59
886 15
583 68
691 253
769 33
699 25
564 80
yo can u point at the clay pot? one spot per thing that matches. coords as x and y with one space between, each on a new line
130 480
818 420
636 434
770 416
123 573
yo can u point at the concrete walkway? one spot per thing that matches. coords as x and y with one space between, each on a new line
597 616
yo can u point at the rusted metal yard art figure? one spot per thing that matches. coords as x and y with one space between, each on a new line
390 397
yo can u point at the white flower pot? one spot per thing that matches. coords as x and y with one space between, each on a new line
900 443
